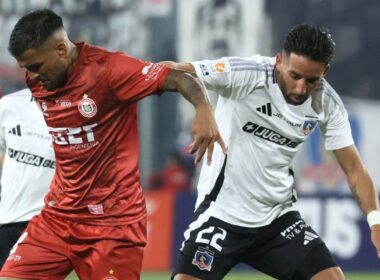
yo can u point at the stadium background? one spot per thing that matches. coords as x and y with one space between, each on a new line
188 30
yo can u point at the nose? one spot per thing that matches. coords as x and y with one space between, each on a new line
32 75
300 87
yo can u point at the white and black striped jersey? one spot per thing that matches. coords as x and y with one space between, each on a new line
263 134
29 163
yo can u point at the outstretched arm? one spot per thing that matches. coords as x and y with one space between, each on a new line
186 67
205 130
362 188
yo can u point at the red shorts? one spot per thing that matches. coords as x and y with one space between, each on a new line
50 248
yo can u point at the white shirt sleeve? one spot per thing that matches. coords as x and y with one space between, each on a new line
230 76
337 128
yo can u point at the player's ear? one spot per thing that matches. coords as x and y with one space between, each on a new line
61 49
326 69
278 61
278 58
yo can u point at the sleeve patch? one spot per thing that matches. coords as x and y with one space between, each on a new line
151 71
218 67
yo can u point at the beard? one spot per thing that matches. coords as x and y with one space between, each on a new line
295 99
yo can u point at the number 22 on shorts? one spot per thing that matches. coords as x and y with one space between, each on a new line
214 239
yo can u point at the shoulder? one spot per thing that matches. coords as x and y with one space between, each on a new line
14 103
255 62
115 62
331 96
16 97
326 99
236 63
98 55
95 54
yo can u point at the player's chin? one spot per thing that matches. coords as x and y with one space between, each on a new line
297 101
48 85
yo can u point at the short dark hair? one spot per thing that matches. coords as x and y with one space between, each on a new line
310 41
32 30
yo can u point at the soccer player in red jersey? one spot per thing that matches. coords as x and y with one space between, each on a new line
94 220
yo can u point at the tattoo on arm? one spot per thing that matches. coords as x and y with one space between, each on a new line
356 196
187 85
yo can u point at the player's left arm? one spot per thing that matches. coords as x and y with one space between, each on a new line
205 130
183 66
362 188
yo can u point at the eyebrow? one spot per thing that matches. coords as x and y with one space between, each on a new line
33 66
309 79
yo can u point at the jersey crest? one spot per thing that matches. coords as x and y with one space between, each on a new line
308 126
87 107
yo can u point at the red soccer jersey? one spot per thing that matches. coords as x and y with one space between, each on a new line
93 122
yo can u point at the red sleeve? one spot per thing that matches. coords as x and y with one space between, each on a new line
132 79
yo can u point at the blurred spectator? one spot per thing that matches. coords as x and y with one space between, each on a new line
177 174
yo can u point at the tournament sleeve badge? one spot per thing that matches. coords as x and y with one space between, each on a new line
87 107
218 67
203 259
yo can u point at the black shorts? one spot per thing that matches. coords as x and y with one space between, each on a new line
278 249
9 234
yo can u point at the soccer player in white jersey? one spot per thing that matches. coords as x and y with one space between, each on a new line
267 108
28 166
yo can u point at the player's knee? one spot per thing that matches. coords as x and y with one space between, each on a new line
333 273
184 277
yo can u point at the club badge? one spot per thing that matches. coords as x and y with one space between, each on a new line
308 126
87 107
203 259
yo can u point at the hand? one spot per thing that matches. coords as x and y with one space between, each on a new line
375 236
205 134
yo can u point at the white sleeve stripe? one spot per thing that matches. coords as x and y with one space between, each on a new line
334 96
250 67
235 61
238 64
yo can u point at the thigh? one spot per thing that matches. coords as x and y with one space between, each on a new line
318 264
211 249
282 246
36 254
8 237
112 256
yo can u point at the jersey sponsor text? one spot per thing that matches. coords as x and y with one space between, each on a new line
31 159
269 135
72 136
